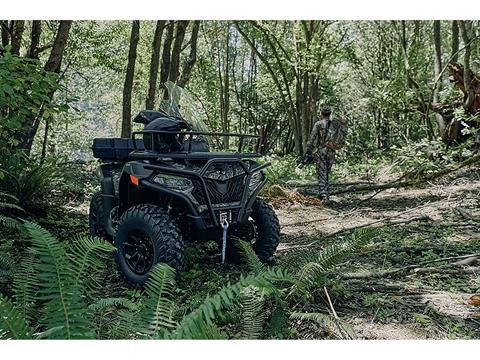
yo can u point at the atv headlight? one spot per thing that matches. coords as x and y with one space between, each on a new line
172 182
255 180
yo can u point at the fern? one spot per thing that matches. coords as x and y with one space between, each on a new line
25 286
337 327
253 313
314 272
194 324
88 257
12 323
157 308
248 254
64 306
107 303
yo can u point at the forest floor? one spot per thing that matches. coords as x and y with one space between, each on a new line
419 227
404 291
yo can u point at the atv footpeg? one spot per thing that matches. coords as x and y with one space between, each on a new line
224 238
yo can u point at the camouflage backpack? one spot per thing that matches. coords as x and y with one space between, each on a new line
336 134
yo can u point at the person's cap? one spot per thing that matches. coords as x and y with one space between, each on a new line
326 110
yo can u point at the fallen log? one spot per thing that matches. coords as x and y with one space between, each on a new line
400 183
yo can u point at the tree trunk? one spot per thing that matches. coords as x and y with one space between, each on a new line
5 31
53 64
35 39
466 29
192 57
128 85
56 55
437 73
167 45
174 70
17 33
455 41
154 65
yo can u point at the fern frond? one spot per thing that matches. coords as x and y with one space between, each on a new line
157 308
12 323
103 304
88 257
64 304
6 205
337 327
8 222
193 325
313 273
253 313
4 196
248 254
25 286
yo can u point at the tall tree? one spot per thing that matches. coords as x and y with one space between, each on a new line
18 28
5 31
166 56
154 65
174 70
128 85
437 39
53 64
192 57
466 30
455 41
36 32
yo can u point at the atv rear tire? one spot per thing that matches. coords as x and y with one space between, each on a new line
147 235
96 218
267 237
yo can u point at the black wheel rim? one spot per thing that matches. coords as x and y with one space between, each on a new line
138 252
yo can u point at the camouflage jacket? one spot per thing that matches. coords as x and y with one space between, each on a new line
318 135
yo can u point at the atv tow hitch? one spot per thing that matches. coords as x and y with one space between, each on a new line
224 238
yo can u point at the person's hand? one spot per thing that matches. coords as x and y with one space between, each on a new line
308 159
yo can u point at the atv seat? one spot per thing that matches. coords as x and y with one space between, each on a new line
115 149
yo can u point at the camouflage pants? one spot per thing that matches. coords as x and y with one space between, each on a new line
325 160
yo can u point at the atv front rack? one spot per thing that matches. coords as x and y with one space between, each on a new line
187 146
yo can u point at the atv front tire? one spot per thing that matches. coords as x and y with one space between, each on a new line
267 234
96 217
147 235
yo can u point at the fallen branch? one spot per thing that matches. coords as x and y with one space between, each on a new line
416 268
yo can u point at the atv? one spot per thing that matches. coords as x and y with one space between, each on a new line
166 186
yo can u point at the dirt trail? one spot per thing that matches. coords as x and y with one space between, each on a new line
435 222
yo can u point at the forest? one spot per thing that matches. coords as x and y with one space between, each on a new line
394 254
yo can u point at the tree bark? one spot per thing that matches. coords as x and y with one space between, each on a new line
5 31
128 85
174 70
35 39
56 55
192 57
455 41
437 70
18 28
466 29
167 45
154 65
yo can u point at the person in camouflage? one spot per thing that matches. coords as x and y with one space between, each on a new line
325 155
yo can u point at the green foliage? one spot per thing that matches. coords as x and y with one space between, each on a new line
12 324
30 179
339 328
253 313
313 273
25 90
286 168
